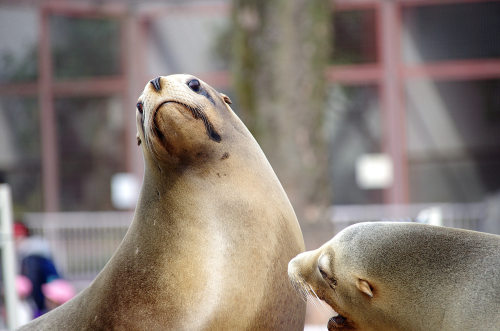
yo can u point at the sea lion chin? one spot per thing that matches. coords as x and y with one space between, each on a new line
212 233
404 276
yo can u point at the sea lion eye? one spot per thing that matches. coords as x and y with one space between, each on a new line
322 272
194 85
140 107
332 282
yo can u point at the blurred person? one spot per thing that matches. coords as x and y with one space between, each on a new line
25 311
57 292
35 262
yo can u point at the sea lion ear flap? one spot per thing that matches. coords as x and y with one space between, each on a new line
226 99
364 287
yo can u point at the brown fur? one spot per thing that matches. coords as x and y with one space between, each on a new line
212 234
406 276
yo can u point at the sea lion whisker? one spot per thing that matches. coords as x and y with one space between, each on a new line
301 289
315 299
306 290
312 300
294 285
303 292
312 294
324 306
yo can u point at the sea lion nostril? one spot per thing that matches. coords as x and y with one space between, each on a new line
156 83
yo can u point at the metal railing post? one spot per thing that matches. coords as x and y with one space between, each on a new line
8 257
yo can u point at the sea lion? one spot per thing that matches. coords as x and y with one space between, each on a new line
212 234
405 276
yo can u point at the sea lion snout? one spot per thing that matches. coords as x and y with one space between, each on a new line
302 270
296 266
312 266
293 268
178 117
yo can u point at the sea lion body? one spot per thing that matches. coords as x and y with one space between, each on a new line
212 233
405 276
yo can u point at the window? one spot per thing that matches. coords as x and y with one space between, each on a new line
20 151
451 32
453 139
178 39
355 36
353 122
61 82
435 69
90 144
18 56
83 47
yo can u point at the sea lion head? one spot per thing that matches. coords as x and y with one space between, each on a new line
334 273
403 276
181 119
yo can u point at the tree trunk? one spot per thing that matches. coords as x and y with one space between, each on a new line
280 51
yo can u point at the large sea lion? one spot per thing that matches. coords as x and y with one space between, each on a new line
212 233
405 276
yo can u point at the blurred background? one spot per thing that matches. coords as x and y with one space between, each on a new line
366 109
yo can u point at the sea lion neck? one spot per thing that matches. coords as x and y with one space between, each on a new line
167 185
212 232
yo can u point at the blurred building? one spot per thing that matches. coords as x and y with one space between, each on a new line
70 75
419 81
415 83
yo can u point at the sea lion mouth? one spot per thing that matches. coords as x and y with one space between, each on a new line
197 114
338 322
